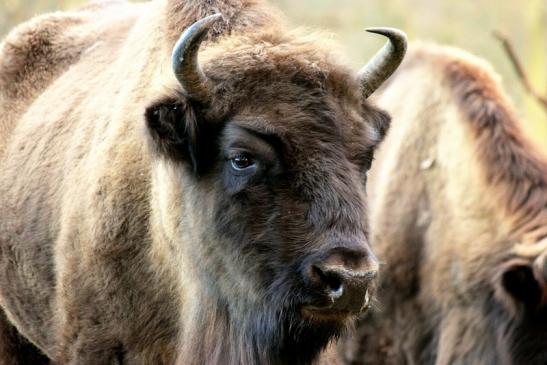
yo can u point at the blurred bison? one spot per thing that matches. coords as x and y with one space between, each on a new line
215 212
459 215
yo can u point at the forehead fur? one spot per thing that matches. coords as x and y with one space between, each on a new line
256 62
295 81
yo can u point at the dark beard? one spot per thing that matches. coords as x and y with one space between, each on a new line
288 338
305 340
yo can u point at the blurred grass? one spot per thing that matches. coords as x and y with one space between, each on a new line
465 23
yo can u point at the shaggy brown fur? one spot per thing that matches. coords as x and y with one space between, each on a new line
125 235
459 216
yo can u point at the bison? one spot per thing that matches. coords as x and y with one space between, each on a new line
459 216
156 208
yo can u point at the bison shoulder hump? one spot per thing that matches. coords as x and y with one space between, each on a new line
36 51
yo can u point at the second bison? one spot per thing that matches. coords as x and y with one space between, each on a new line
459 215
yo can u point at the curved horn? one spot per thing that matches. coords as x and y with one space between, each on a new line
185 58
385 62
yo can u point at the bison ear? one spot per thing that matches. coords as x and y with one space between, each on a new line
176 133
517 279
379 121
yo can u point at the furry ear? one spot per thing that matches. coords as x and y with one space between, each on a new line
379 122
518 285
178 135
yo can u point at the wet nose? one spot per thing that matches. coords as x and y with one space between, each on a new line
346 277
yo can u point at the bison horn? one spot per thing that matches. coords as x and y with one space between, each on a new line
385 62
185 59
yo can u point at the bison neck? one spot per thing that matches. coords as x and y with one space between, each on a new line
215 332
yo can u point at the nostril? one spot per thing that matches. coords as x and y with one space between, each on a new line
331 280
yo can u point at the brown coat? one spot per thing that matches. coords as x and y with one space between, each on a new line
125 241
459 217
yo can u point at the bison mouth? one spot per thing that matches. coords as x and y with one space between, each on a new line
337 306
302 321
313 313
332 314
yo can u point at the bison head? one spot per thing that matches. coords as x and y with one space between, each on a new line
262 159
521 298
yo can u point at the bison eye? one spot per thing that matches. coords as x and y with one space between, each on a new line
242 162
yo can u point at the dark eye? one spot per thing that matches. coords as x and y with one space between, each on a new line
241 162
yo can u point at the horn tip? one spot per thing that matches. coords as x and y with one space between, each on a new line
215 16
209 20
387 31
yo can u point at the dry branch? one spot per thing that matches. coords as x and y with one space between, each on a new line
510 51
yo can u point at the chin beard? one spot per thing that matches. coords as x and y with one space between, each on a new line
290 338
306 338
284 332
